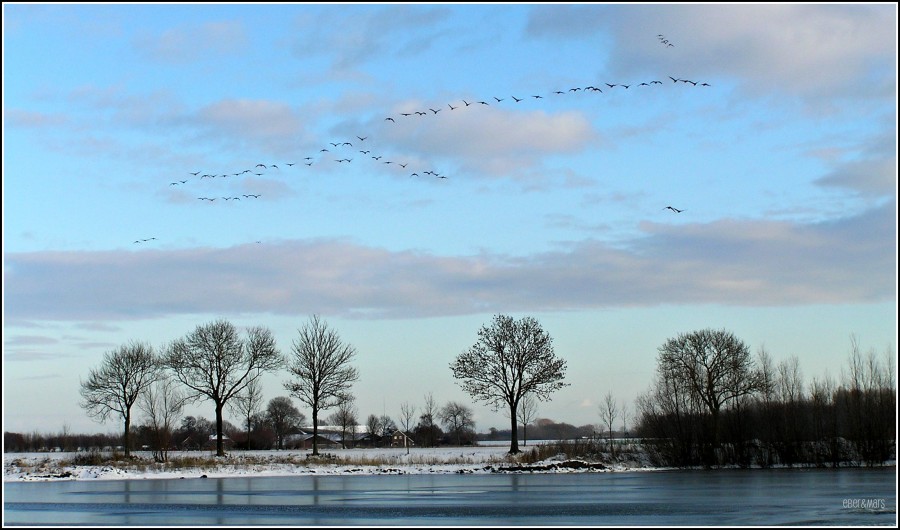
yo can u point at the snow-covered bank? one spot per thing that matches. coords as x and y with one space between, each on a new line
198 464
481 459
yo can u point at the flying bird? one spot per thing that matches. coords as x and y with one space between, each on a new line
451 107
515 98
389 119
362 138
676 210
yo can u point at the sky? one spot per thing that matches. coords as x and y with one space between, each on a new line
408 171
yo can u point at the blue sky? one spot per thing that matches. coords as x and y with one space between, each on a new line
784 164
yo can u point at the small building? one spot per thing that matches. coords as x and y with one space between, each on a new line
401 439
305 441
211 442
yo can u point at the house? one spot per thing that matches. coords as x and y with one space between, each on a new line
211 442
305 441
401 439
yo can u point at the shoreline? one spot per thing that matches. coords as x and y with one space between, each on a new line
47 467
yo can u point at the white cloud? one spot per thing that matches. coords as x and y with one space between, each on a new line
189 44
744 263
809 50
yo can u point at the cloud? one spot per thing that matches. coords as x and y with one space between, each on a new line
190 44
32 119
368 33
261 123
744 263
487 140
812 51
871 172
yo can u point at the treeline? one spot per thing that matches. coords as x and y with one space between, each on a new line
543 429
710 405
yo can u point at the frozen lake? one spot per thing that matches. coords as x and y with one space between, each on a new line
808 497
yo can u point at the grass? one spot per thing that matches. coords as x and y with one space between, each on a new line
239 461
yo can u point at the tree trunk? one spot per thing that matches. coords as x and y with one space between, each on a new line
220 446
514 441
248 431
125 436
315 419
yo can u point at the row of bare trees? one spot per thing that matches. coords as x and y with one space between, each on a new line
713 403
214 362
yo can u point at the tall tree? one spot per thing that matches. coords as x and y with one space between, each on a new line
510 359
116 385
526 414
609 411
715 365
162 403
215 363
284 418
407 415
427 419
321 368
247 403
458 418
345 418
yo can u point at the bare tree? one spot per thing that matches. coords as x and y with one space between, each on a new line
345 418
407 415
214 363
715 365
284 418
428 417
321 370
510 359
373 427
162 403
458 419
247 403
609 411
526 413
115 386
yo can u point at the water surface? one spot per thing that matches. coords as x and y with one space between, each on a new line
660 498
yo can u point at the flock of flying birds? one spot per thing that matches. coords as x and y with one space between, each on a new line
327 153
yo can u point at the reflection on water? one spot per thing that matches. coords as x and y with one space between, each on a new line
711 498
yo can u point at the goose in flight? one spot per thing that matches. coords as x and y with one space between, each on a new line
362 138
515 98
676 210
452 107
389 119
